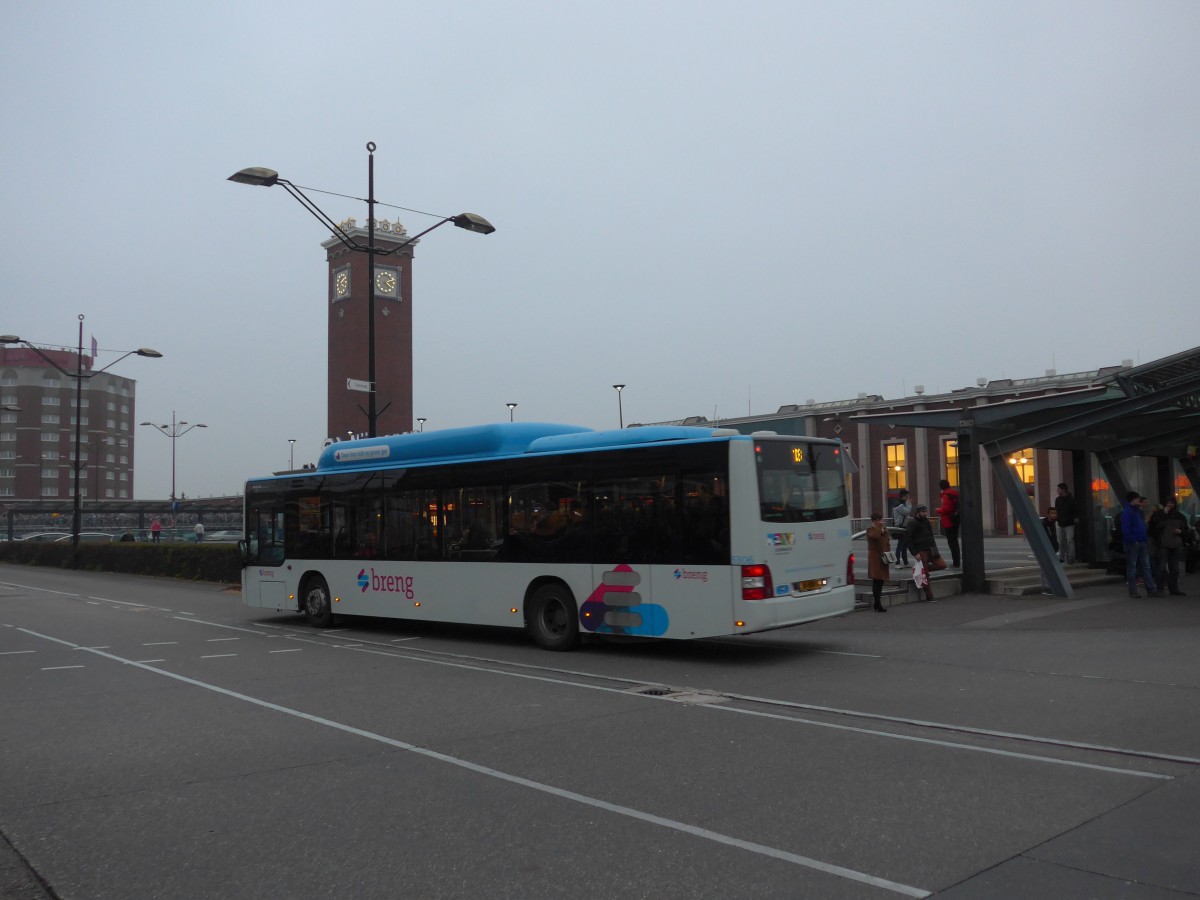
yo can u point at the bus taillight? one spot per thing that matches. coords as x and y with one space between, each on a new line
756 583
850 569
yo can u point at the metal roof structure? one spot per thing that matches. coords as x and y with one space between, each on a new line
1147 410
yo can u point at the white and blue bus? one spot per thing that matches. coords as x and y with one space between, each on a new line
657 531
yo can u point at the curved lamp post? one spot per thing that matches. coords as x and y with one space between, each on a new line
80 376
469 221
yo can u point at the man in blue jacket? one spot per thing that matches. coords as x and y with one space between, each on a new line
1137 553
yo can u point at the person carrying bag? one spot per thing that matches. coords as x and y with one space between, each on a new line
923 547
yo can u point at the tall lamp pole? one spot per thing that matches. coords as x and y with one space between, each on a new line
291 454
511 408
79 375
174 431
421 423
469 221
620 410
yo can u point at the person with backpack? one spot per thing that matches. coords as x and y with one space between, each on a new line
949 512
900 515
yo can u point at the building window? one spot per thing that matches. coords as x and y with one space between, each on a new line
83 405
897 468
50 473
47 400
110 406
50 436
124 476
8 418
108 492
49 419
49 454
950 453
8 491
8 473
9 399
1023 463
49 490
51 384
82 420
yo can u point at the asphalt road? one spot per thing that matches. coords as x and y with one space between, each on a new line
159 740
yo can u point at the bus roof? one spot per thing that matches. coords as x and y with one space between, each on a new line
498 441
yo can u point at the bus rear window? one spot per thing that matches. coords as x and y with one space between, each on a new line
800 482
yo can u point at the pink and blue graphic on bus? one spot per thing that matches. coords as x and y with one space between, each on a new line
616 608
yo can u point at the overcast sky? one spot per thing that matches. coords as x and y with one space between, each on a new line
727 207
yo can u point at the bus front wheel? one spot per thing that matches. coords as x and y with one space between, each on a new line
315 602
553 617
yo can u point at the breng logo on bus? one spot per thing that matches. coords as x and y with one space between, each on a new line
385 584
691 574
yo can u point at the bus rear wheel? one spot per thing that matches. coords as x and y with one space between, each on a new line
553 617
315 602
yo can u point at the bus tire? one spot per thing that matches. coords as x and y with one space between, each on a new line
315 602
553 617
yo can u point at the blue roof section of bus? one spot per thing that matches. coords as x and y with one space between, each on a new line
591 440
491 441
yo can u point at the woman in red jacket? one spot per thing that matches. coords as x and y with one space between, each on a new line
949 513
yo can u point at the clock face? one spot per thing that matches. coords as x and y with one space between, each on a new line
341 284
385 283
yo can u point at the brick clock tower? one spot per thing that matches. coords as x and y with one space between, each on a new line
348 330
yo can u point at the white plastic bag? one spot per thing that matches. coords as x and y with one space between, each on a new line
920 578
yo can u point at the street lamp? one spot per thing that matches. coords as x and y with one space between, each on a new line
421 423
174 431
469 221
620 410
291 454
79 375
511 407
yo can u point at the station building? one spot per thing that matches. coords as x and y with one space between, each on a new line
913 442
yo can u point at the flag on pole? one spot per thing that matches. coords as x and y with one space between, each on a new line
93 347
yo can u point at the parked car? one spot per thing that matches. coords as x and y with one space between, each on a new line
224 536
89 536
46 536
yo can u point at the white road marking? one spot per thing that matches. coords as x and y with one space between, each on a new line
289 650
218 655
56 668
159 643
672 824
14 652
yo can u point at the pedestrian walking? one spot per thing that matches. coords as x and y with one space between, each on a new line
155 530
879 545
199 529
949 511
1134 540
923 546
1064 507
900 516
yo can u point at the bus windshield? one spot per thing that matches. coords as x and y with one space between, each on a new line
800 481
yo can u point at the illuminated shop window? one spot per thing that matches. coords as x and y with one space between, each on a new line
950 452
897 469
1022 461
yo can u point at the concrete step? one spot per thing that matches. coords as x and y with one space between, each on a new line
1019 581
